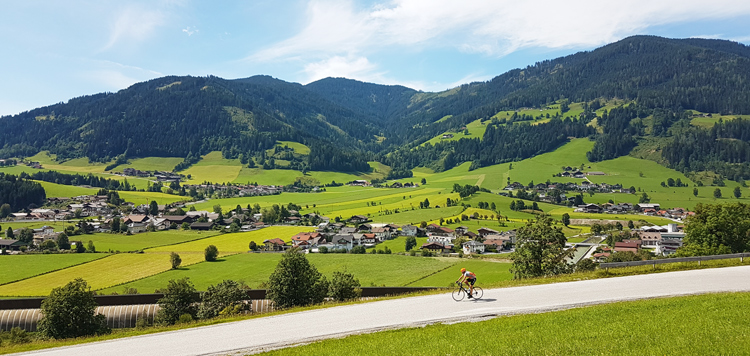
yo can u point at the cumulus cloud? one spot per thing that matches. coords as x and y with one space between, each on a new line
336 28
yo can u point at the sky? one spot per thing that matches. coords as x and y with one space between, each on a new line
52 51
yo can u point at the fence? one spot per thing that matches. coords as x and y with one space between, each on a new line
698 259
123 311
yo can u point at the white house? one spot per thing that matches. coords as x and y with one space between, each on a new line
473 247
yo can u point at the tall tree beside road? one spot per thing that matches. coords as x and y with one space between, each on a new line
717 229
70 311
295 282
540 250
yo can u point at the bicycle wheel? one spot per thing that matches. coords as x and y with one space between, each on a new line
458 294
478 293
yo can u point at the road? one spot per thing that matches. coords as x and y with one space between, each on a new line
249 336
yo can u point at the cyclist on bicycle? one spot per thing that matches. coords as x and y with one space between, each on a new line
469 278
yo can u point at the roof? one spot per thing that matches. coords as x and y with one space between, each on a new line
432 245
276 241
10 242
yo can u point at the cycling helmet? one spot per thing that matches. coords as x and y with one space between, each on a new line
463 270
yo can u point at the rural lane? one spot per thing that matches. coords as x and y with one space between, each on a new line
249 336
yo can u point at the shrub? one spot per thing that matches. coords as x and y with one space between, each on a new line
359 250
179 299
175 260
295 282
585 265
211 253
185 318
227 296
323 249
70 311
185 226
344 286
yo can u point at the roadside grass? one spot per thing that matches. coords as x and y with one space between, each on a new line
235 242
137 242
255 268
623 328
488 272
102 273
19 267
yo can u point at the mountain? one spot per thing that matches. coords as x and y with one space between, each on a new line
348 122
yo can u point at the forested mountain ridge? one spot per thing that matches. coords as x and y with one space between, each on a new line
348 122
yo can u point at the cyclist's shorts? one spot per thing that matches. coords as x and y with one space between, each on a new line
471 281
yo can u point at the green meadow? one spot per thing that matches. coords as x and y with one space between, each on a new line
664 326
138 242
18 267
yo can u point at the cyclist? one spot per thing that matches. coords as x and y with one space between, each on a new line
469 278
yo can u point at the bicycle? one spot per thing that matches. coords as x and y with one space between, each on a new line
460 292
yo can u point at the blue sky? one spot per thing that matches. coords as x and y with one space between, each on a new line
55 50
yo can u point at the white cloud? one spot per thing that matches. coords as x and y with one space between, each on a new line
189 31
490 27
352 67
113 76
134 24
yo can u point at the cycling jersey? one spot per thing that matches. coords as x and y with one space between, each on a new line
469 275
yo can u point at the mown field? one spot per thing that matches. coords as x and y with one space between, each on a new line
18 267
665 326
234 243
127 243
371 270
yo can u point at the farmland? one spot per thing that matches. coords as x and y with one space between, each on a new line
137 242
24 266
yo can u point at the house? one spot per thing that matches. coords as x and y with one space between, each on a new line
364 227
461 230
347 230
600 257
358 219
304 239
161 224
445 136
178 219
435 247
590 208
409 230
397 185
628 245
360 183
11 245
472 247
345 241
483 231
433 227
369 239
642 207
440 238
276 244
201 226
382 233
595 173
292 220
498 243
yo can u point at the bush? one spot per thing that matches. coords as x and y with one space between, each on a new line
70 311
211 253
585 265
185 318
295 282
16 336
344 286
323 249
359 250
225 296
179 299
175 260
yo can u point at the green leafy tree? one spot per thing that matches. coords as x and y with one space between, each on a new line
225 298
153 208
63 242
344 286
619 226
90 247
179 299
695 192
70 311
566 219
295 282
9 233
631 225
217 208
210 253
26 235
717 229
359 250
175 260
424 181
5 211
644 199
411 242
185 226
737 192
540 250
717 193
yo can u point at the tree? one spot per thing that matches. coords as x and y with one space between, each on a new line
179 299
70 311
424 181
5 211
217 208
426 203
211 253
717 193
153 208
225 298
411 242
631 225
695 192
115 224
540 250
717 229
644 199
566 219
359 250
295 282
175 260
632 189
26 235
344 286
90 247
619 226
253 246
9 233
185 226
737 192
63 242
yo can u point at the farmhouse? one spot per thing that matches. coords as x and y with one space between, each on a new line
358 219
11 245
473 247
276 244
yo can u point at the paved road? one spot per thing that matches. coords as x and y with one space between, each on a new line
255 335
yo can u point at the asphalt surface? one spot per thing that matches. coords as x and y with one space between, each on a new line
256 335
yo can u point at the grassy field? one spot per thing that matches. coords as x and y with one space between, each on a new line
296 146
137 242
487 271
234 243
18 267
151 164
214 168
399 244
255 268
629 329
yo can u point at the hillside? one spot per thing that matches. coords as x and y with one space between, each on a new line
347 123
